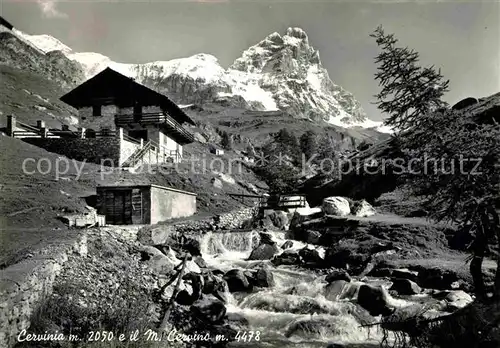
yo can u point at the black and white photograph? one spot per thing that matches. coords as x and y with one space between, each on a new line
249 174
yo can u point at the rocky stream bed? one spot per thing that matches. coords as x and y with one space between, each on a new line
318 281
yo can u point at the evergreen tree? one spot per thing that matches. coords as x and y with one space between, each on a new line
226 140
287 144
408 90
309 143
326 147
458 171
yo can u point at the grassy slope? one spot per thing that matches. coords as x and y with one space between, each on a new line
26 94
30 204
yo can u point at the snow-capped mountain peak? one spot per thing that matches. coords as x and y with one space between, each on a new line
281 72
291 70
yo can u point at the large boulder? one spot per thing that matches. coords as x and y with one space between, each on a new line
155 260
217 183
312 236
264 252
237 281
214 284
209 309
404 273
288 257
192 246
196 284
362 209
457 299
155 235
340 290
374 300
300 216
337 274
464 103
436 278
344 258
264 278
405 287
266 238
147 252
338 206
310 256
192 267
279 219
311 327
199 137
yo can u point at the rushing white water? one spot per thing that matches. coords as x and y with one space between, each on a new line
293 313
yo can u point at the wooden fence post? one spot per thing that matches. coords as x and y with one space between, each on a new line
11 125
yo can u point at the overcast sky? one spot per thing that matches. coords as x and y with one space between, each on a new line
462 38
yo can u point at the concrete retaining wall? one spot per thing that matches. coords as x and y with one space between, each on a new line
25 284
169 203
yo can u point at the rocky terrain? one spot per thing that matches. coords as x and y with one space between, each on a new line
55 66
315 276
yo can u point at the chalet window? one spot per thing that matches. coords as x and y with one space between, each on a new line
96 110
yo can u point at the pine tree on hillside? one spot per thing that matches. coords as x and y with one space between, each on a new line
326 147
408 90
226 140
287 144
309 143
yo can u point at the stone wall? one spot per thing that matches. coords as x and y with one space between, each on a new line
93 150
145 110
226 221
25 284
107 120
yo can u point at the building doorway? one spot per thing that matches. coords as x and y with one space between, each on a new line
118 207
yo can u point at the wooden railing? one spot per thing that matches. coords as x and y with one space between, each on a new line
27 127
99 134
159 150
138 155
57 133
26 134
36 134
283 202
154 119
244 197
131 139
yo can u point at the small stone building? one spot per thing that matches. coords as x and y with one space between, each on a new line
126 204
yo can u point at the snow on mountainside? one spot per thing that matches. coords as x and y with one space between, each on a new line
278 73
45 43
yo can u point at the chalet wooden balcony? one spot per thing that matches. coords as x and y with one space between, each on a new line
159 119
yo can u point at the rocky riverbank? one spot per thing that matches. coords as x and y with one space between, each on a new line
307 278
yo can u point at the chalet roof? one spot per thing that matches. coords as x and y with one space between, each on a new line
115 88
6 24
